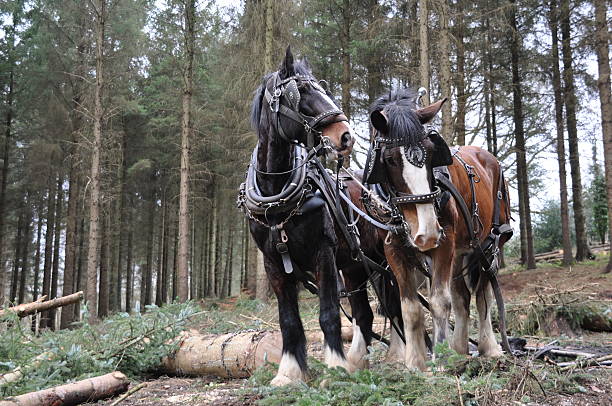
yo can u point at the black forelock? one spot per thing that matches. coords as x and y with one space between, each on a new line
399 106
301 67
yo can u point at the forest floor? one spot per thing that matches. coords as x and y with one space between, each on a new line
474 381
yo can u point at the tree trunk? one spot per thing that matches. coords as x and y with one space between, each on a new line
424 51
104 271
71 239
129 271
94 200
16 258
345 39
183 228
25 253
56 248
147 275
39 305
80 283
37 257
166 256
460 77
582 247
161 247
605 101
558 93
10 40
46 286
175 261
445 72
521 160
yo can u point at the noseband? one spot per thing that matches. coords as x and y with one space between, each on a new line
284 99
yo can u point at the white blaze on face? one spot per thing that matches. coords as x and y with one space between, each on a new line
418 184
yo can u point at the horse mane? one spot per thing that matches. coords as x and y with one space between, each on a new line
403 122
301 67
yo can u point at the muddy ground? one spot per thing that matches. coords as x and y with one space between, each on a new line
518 286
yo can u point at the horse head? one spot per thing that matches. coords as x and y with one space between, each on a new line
301 110
406 155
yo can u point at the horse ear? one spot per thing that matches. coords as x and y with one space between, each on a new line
287 69
426 114
379 121
441 155
307 63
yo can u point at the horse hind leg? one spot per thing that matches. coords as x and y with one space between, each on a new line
487 343
440 297
460 298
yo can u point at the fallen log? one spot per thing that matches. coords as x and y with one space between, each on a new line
88 390
234 355
26 309
18 373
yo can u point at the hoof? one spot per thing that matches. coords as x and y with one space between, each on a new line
492 353
354 365
282 380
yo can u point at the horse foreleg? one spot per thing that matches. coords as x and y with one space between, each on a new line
412 312
292 367
460 295
355 278
329 313
487 343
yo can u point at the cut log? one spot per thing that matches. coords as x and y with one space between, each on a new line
26 309
18 373
88 390
234 355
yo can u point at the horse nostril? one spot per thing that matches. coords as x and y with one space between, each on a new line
346 138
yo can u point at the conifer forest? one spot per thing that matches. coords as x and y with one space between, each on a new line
125 133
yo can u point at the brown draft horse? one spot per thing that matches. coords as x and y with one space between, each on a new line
395 117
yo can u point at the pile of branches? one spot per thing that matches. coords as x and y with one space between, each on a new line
552 312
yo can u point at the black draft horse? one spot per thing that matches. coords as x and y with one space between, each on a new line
291 110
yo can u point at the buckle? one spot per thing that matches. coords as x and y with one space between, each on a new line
282 248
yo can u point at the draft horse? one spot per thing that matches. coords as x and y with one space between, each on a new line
455 221
296 120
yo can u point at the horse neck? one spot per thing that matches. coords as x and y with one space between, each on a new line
274 155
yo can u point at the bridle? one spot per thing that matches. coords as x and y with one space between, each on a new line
415 154
284 99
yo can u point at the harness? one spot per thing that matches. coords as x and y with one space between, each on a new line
308 187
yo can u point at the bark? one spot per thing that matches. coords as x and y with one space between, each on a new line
445 72
605 102
558 93
582 248
212 249
8 126
85 391
165 256
26 309
56 248
183 228
424 51
269 36
519 132
174 261
460 78
94 199
226 288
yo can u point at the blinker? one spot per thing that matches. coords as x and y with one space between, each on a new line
292 93
416 154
